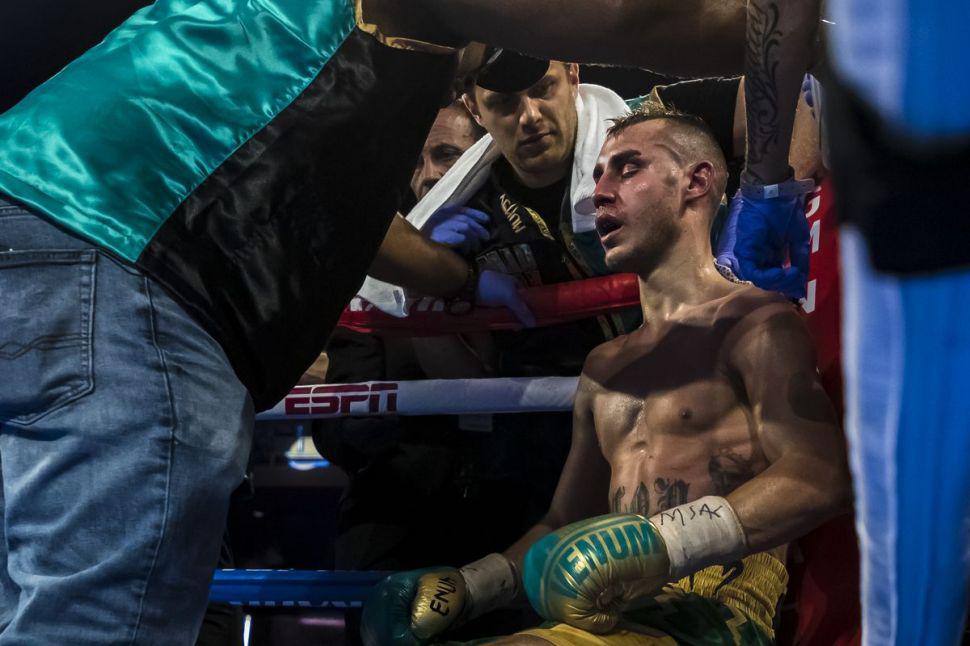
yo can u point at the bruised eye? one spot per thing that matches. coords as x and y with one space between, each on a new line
629 170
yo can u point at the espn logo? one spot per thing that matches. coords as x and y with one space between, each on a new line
338 400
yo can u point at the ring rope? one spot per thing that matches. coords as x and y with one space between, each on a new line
550 304
426 397
293 588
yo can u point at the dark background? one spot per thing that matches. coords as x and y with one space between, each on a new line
39 37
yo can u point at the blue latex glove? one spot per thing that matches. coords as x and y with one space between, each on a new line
724 254
808 91
769 231
496 289
459 227
813 92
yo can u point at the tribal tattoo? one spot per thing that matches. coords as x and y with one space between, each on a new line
760 88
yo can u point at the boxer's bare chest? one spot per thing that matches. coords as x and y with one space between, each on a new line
672 420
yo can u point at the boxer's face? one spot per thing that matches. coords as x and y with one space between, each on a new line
451 134
535 129
638 197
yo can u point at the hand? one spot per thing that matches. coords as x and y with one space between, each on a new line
459 227
496 289
587 573
410 608
769 231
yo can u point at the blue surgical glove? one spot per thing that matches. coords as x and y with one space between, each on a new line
724 254
808 90
496 289
459 227
769 231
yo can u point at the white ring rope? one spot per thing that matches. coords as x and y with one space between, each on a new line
426 397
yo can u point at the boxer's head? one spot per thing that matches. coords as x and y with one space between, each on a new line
529 108
659 179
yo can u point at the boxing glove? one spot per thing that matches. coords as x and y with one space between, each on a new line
411 608
586 574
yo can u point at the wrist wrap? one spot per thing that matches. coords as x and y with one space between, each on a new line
492 582
700 533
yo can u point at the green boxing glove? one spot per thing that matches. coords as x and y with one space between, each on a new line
411 608
586 574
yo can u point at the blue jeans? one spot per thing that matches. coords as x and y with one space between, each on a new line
123 430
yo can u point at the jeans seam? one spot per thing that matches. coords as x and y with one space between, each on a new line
171 449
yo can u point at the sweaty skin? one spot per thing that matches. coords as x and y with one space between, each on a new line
668 408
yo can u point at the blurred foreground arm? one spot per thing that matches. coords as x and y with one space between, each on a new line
680 37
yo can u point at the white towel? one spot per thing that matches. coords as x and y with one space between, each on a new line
595 106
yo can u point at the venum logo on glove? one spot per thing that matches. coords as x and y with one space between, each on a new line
587 573
579 556
439 600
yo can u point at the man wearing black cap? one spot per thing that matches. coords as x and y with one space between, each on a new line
519 201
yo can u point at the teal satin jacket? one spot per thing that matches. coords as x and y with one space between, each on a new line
247 155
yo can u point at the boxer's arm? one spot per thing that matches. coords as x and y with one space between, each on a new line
807 481
409 259
780 37
583 488
680 37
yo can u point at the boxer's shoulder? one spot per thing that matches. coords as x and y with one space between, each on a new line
749 306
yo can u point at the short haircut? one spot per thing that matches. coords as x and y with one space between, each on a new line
693 136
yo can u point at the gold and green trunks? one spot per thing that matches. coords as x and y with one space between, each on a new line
720 605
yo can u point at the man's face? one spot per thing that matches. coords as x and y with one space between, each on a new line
638 197
451 134
536 128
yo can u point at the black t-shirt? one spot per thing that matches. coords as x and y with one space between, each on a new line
530 242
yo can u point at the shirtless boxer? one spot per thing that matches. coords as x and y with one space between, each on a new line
709 420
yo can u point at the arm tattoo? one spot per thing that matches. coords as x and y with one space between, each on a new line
729 470
640 504
670 493
760 80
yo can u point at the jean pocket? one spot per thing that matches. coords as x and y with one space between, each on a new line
46 319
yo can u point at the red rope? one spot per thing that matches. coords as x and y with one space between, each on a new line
551 305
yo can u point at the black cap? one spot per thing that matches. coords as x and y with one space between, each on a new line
508 71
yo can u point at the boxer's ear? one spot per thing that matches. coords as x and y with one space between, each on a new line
701 177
